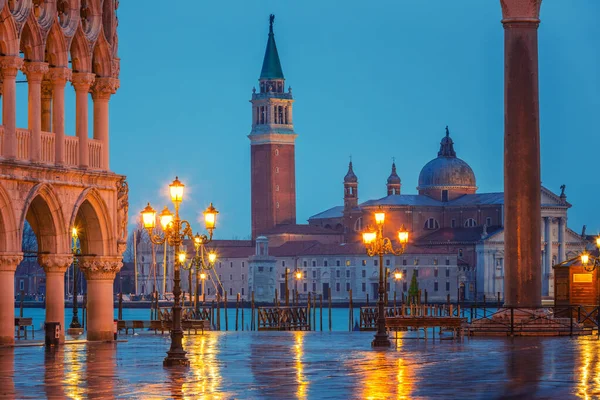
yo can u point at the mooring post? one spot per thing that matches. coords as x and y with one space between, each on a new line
308 312
237 310
484 316
512 321
350 310
219 312
252 323
120 306
225 310
242 307
395 310
275 299
498 299
367 299
84 310
329 299
425 296
315 311
321 311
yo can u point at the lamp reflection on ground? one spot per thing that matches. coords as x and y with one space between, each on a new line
74 366
383 375
298 358
54 372
589 370
204 378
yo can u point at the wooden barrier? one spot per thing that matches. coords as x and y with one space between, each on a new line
283 318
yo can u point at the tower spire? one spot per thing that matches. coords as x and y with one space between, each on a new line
271 68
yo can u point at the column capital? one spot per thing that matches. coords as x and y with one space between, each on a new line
35 70
100 267
46 89
55 262
515 11
9 261
104 87
82 81
59 75
10 65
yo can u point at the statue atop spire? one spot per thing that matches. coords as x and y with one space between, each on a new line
271 20
447 146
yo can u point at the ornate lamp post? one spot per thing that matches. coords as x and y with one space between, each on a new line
75 325
199 261
588 261
175 232
297 276
378 245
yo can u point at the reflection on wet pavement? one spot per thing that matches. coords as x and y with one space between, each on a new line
306 365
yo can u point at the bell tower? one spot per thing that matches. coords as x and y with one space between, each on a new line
272 151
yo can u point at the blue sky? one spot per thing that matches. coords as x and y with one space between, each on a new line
374 81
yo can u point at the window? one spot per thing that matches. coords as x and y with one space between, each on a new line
447 261
432 224
364 273
337 273
209 291
435 261
314 263
447 272
220 277
435 286
243 277
231 291
460 252
364 262
314 274
305 286
376 263
470 223
325 263
277 205
220 265
261 269
243 264
453 223
337 263
347 273
404 286
276 170
305 274
364 287
337 286
444 195
447 286
488 221
276 152
416 273
277 188
21 284
314 285
230 277
388 287
283 263
347 286
435 272
404 262
416 261
305 264
347 263
242 291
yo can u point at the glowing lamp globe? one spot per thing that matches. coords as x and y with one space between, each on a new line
403 236
585 258
149 217
74 232
210 217
181 256
203 276
369 237
176 190
598 242
380 217
212 257
166 217
397 275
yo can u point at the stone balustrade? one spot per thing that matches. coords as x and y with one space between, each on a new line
48 149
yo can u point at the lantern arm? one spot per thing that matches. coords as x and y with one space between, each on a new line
156 238
372 249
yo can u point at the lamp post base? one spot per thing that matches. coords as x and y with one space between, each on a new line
176 358
381 340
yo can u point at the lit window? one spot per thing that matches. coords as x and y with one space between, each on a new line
347 263
364 262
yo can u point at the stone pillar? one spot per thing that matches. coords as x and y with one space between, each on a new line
35 73
562 250
82 82
9 65
58 77
55 266
8 265
102 89
100 274
46 106
548 256
522 183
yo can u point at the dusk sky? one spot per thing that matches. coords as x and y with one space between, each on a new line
372 81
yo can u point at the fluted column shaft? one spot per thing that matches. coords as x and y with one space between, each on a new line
561 240
82 82
522 183
46 106
55 266
9 65
548 256
8 265
102 89
35 73
58 77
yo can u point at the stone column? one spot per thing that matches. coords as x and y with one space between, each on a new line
522 183
8 265
59 77
102 89
9 65
562 250
82 82
55 266
100 274
548 257
35 73
46 106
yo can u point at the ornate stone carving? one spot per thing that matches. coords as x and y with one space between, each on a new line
121 246
55 262
9 261
58 75
115 66
100 267
122 207
104 87
82 81
520 10
35 70
46 90
10 65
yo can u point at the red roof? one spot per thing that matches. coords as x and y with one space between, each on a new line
296 229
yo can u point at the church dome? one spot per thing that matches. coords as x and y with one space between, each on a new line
447 171
350 176
393 179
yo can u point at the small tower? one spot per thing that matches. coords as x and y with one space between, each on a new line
393 182
262 274
273 170
350 189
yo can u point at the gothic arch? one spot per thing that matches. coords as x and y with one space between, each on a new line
56 48
9 36
81 57
9 234
92 219
101 59
32 41
42 209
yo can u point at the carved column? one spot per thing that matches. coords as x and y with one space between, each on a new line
82 82
548 256
100 274
562 250
59 77
46 106
522 187
55 266
35 73
9 65
8 265
102 89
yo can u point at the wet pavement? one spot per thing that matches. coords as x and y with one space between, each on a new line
289 365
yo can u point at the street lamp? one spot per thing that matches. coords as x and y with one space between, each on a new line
297 277
200 262
175 232
378 245
76 250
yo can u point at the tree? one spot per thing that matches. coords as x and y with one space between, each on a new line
413 290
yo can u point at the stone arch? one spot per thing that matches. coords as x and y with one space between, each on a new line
56 48
101 58
9 35
92 219
44 213
32 41
9 234
81 57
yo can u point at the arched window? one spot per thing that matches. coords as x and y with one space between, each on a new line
432 224
470 223
358 225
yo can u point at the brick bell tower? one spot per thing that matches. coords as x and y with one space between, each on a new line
273 175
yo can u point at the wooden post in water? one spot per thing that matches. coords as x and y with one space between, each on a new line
425 296
367 299
218 311
314 311
321 310
23 298
484 306
329 299
120 316
242 304
275 299
308 311
350 310
237 311
225 310
84 322
394 302
498 299
252 322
